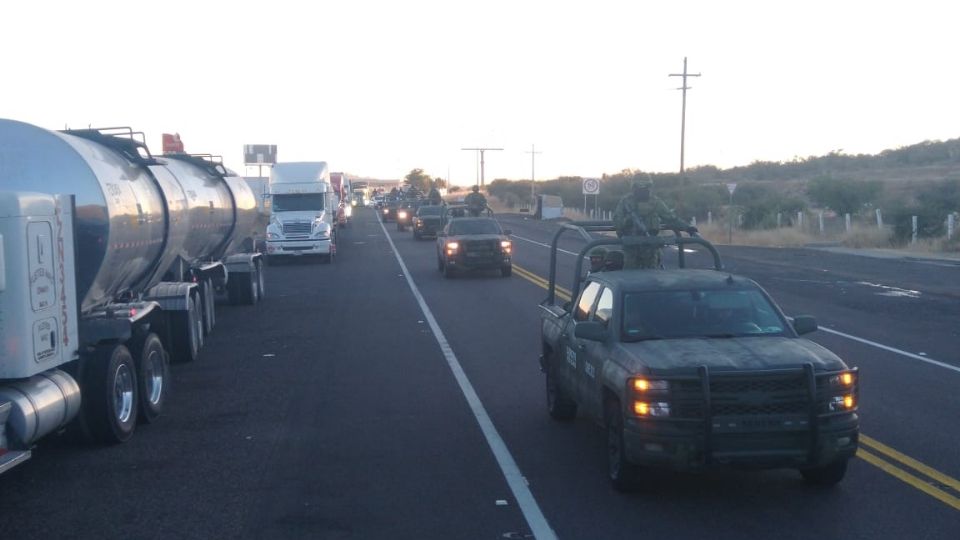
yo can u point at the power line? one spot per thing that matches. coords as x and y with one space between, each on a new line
481 151
683 117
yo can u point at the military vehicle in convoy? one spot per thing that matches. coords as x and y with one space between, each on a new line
427 221
473 243
693 368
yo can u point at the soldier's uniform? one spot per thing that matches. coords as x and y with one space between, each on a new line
643 218
476 202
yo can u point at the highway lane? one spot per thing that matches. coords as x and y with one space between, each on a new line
492 323
326 412
924 429
330 412
907 404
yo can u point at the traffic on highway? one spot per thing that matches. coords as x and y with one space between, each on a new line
407 389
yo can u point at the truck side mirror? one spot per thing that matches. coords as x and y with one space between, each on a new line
590 330
804 324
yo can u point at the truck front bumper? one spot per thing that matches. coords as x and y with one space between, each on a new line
464 262
686 445
298 248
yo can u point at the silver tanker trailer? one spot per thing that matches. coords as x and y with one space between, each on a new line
110 263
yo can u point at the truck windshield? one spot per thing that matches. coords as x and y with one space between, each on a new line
298 202
718 313
429 211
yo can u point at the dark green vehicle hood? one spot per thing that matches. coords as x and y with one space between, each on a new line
730 353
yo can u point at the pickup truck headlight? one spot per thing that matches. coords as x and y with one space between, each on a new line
655 409
452 247
386 211
647 385
506 246
273 236
402 214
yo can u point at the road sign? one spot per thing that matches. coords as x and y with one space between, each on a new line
259 154
731 187
591 186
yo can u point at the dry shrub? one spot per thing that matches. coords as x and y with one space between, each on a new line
866 237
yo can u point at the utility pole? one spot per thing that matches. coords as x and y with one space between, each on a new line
533 172
481 151
683 117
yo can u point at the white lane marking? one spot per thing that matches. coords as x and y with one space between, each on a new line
841 334
544 245
893 350
508 466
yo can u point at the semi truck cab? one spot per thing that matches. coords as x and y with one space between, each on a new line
301 211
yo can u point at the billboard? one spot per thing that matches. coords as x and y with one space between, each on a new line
259 154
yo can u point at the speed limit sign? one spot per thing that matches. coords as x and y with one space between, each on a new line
591 186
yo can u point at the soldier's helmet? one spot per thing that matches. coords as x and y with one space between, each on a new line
644 182
597 256
476 189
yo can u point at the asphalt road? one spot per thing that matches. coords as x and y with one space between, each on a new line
331 411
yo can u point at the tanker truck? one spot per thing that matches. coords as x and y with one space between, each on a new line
110 262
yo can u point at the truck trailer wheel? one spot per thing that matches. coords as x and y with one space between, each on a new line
109 405
153 377
827 475
187 332
559 405
622 473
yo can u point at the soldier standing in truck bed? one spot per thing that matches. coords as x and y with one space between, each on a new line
639 213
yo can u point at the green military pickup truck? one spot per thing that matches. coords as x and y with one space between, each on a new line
694 368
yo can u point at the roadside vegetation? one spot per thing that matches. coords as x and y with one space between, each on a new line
803 201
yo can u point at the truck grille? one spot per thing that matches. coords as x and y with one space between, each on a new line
481 247
296 228
743 395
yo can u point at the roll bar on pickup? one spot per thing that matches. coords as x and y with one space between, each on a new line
584 228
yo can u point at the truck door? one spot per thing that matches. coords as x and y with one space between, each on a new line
593 355
573 348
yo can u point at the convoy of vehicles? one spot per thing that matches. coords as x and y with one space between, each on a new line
110 262
302 211
692 368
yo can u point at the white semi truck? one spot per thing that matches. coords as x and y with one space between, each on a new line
110 263
302 210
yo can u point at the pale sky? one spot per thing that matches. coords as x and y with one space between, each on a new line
379 87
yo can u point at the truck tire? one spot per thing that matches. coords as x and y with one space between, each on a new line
153 377
209 306
622 474
247 287
187 332
439 264
505 271
827 475
559 405
448 272
109 405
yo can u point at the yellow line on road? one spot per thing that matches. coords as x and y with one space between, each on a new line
914 481
869 442
934 474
